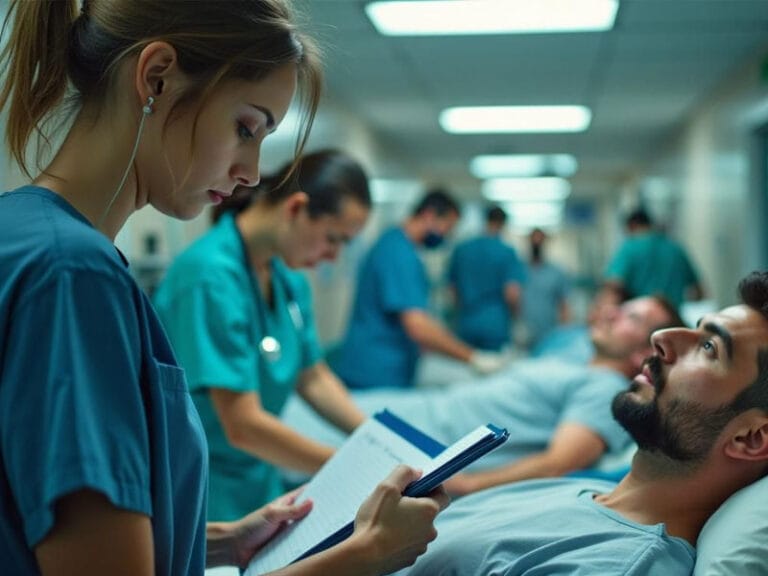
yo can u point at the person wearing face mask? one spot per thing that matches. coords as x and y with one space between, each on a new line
390 324
240 319
545 293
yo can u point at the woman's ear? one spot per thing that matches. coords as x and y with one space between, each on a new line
750 439
295 203
157 72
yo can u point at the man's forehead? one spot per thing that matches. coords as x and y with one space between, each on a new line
741 321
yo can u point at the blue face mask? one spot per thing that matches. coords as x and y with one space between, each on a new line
432 240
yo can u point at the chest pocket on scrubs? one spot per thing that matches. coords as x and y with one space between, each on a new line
179 465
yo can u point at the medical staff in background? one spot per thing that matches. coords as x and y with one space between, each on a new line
239 316
545 293
649 262
104 464
485 276
390 323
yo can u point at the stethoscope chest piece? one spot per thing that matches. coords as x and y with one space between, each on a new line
270 348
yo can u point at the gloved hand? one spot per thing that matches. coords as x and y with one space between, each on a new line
488 362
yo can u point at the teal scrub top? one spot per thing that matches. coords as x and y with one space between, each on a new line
214 314
479 271
91 396
650 263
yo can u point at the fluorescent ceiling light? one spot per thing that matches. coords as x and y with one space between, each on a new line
545 189
529 215
499 165
503 119
454 17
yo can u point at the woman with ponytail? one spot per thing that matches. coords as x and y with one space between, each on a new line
241 322
104 461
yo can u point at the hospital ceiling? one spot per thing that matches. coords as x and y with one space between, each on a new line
642 79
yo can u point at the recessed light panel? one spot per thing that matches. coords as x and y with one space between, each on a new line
508 119
522 165
457 17
545 189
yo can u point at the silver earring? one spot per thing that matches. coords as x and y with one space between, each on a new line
148 106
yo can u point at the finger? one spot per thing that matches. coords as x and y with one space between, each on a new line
282 513
290 497
403 475
296 492
440 496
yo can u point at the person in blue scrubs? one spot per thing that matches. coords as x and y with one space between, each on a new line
104 464
649 262
390 323
545 293
239 316
486 277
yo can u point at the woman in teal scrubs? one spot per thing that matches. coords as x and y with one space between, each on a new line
240 319
104 467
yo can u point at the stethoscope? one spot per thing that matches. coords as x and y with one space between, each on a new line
269 346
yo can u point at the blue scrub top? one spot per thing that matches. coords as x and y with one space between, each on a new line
377 352
91 396
212 309
650 263
479 270
546 289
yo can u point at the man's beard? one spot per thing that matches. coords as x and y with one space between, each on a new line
685 432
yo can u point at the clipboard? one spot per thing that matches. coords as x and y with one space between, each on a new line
405 444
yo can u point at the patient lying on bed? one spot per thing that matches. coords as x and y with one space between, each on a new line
698 411
558 414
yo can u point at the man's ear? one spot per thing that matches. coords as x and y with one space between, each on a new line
157 72
749 440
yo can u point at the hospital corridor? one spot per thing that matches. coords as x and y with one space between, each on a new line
264 264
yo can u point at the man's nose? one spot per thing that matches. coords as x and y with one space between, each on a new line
672 342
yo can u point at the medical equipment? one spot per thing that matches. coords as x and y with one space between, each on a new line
269 346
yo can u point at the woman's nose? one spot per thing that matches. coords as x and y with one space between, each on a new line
246 172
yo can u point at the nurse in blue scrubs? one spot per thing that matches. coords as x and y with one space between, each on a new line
239 316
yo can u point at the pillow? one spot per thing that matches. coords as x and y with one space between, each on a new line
734 541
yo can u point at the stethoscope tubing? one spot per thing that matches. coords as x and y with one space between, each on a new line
269 346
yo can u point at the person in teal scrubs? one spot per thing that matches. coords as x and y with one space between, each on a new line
104 466
239 316
649 262
486 276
